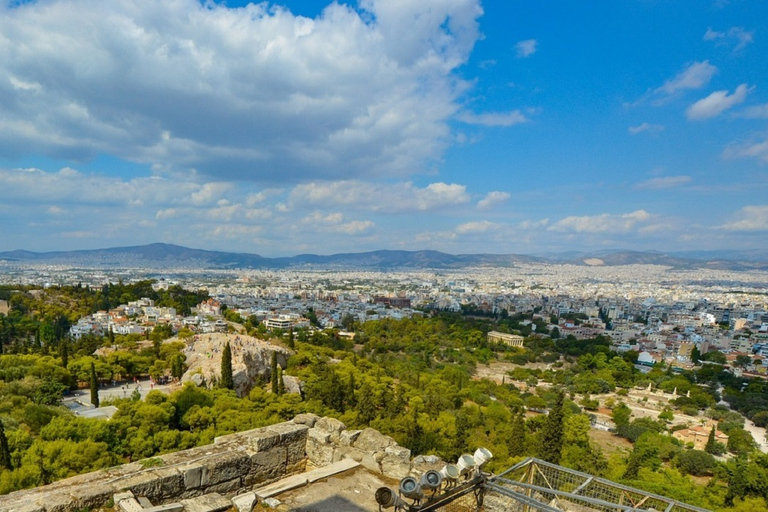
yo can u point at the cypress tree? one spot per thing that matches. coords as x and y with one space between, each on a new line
516 442
64 352
94 386
711 446
280 384
291 343
227 382
5 452
273 373
551 441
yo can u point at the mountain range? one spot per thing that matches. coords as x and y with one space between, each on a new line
168 255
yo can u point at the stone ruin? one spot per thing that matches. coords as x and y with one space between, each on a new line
235 472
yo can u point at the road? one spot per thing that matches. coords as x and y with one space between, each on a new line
123 390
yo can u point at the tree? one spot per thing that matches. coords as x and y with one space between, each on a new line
5 452
227 382
64 352
743 360
348 322
291 343
695 462
94 386
273 373
711 446
621 414
695 355
516 443
551 441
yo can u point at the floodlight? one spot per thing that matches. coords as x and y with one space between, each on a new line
410 488
482 455
387 498
465 464
431 480
450 472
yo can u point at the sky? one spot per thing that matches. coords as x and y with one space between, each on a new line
456 125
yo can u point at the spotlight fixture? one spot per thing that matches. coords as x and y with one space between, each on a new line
465 464
410 488
387 498
431 480
450 472
481 456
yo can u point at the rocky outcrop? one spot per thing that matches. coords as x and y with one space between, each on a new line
251 361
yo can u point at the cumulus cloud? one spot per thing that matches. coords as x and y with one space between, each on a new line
472 227
665 182
645 127
755 149
493 119
750 218
380 197
334 222
716 103
695 76
736 36
492 199
605 223
526 48
237 93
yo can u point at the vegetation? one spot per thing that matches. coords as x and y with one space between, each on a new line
413 379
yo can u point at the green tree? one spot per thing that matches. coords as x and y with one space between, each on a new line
291 342
273 373
695 462
551 440
621 414
5 452
711 446
94 381
227 382
516 443
64 352
695 355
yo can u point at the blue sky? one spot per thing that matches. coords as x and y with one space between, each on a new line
456 125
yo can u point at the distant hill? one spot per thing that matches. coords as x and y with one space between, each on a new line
175 256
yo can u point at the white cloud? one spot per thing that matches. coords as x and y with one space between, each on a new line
526 48
755 112
380 197
236 93
645 127
750 218
665 182
716 103
533 224
755 149
492 199
334 222
493 119
605 223
473 227
694 76
735 35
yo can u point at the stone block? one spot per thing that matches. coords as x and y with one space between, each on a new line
307 419
192 475
171 481
25 507
272 502
348 437
129 505
318 436
57 501
371 440
268 465
347 452
223 467
295 452
298 467
91 496
330 470
245 502
260 439
289 432
395 467
370 463
330 425
320 454
228 487
281 486
212 502
398 452
145 484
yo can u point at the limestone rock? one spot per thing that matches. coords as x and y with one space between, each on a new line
307 419
371 440
330 425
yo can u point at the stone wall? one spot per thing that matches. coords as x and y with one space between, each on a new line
238 461
233 464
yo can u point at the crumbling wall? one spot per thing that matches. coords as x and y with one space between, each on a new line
234 462
328 440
